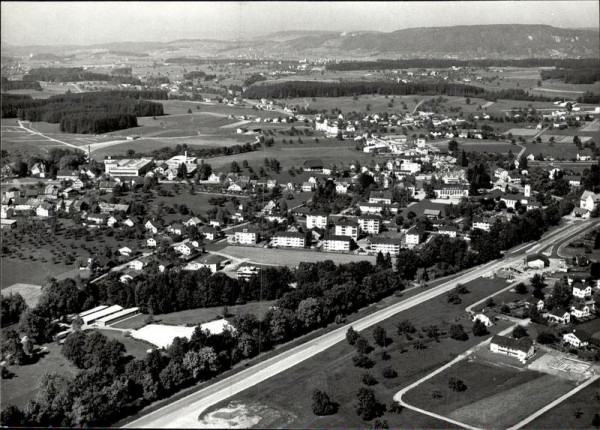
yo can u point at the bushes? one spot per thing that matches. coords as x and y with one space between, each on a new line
368 406
361 360
389 373
457 332
322 404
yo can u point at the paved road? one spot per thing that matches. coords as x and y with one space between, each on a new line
31 131
183 413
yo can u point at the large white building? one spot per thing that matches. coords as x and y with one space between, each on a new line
370 224
246 236
337 243
316 220
451 192
386 245
127 167
521 349
345 227
413 237
289 239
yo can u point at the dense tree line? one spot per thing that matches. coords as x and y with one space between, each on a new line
573 76
340 89
19 85
195 74
445 64
256 77
74 74
12 307
123 71
97 112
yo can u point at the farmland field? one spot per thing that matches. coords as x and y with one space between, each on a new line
291 391
495 396
289 257
30 293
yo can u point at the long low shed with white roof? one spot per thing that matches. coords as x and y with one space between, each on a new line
118 316
92 318
91 311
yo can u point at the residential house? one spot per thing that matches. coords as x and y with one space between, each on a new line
386 245
307 187
316 219
289 239
126 251
187 248
151 242
136 265
246 236
247 272
67 175
581 290
559 315
370 224
589 200
414 236
532 301
193 221
448 230
97 219
521 349
380 197
337 243
580 310
38 170
176 228
577 338
483 319
45 210
341 187
313 165
346 227
151 226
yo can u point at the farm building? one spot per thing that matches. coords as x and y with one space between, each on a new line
117 316
91 318
521 349
536 261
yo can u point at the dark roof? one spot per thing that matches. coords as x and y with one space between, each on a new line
346 222
317 213
314 163
289 234
582 335
370 217
338 238
386 241
534 257
523 344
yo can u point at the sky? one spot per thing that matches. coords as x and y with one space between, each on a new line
83 23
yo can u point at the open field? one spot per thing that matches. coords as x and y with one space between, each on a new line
348 104
559 150
30 293
290 392
194 317
496 397
21 388
471 145
586 401
133 347
16 271
290 257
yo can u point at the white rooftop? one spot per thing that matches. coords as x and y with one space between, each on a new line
162 335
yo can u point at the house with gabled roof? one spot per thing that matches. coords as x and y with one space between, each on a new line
577 338
559 315
521 349
151 226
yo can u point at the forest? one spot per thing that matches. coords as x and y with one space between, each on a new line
97 112
445 64
19 85
300 89
573 76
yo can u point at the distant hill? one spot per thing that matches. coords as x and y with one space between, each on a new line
461 42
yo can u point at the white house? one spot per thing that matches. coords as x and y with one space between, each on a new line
380 197
246 236
45 210
582 291
151 242
559 315
448 230
484 319
345 227
337 243
580 311
589 200
316 220
521 349
370 224
413 236
385 245
289 239
152 227
577 338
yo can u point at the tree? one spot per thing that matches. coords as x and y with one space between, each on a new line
12 348
189 111
12 416
362 346
368 406
452 145
201 364
468 100
37 325
406 327
12 306
235 168
546 338
352 336
362 360
379 335
322 404
310 312
389 373
519 332
596 420
369 379
479 328
457 332
457 385
521 288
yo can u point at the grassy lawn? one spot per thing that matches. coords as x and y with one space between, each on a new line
348 104
587 401
193 317
495 396
291 391
21 388
133 347
291 257
26 271
563 150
